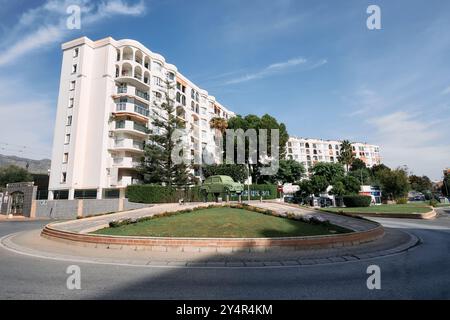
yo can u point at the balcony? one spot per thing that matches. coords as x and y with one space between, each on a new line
143 95
128 145
131 108
137 80
131 126
126 162
127 180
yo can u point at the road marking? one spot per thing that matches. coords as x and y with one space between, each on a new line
40 255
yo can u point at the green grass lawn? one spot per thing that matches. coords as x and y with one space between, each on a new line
221 223
386 208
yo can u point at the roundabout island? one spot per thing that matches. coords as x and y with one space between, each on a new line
208 235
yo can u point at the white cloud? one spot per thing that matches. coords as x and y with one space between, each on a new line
407 139
277 68
46 24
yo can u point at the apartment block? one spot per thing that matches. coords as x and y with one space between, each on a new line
110 92
310 151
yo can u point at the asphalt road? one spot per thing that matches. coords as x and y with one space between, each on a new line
421 273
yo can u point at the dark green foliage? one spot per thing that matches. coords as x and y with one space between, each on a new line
421 184
358 164
446 186
157 165
346 156
362 175
330 171
290 171
166 194
357 201
12 173
254 122
394 183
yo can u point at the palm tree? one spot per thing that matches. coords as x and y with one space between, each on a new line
219 124
346 156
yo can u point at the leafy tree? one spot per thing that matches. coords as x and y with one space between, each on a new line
421 184
379 167
290 171
446 186
364 176
254 122
305 189
236 171
157 165
12 173
330 171
358 164
347 185
351 185
319 184
394 183
314 186
346 156
338 189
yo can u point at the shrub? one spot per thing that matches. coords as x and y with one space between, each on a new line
434 203
402 200
161 194
357 201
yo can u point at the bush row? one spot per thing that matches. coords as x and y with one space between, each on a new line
161 194
357 201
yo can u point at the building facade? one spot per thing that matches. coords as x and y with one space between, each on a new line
110 92
310 151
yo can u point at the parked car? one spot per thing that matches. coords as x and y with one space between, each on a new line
221 184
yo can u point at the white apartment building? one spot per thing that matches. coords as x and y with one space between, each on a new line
110 90
310 151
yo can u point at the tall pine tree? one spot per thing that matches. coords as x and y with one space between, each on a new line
157 166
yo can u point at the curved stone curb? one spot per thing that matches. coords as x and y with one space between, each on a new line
426 216
8 243
371 231
220 244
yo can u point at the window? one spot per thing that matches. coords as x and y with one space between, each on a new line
67 139
69 120
74 68
63 177
178 97
65 157
158 81
72 85
71 102
76 51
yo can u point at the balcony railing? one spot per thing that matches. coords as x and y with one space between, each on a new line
143 95
121 89
140 127
122 106
141 110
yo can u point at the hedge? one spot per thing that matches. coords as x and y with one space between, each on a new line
160 194
357 201
267 191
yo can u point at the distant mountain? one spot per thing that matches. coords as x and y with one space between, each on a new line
35 166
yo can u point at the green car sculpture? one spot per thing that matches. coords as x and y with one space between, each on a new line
220 185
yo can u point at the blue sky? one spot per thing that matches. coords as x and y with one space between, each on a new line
312 64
